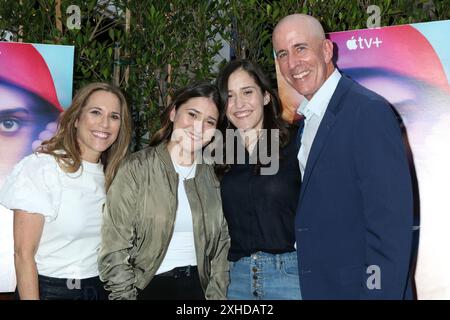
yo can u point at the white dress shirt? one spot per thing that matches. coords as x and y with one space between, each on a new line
313 111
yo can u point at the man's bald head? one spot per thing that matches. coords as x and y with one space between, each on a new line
303 22
303 54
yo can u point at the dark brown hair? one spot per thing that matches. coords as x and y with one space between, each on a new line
272 111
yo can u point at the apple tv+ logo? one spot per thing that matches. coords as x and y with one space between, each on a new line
361 43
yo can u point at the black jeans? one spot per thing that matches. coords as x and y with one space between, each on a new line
68 289
181 283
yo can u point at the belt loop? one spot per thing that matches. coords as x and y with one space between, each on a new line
278 261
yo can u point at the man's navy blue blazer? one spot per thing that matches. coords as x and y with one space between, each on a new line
355 212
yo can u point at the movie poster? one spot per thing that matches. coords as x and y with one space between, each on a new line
35 87
410 66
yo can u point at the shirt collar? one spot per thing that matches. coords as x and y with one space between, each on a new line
319 102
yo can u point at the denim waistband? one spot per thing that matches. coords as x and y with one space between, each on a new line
180 272
270 257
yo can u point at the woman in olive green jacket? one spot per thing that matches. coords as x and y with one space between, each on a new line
164 235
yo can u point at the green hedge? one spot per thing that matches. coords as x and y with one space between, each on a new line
170 43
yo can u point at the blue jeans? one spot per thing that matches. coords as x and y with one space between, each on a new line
265 276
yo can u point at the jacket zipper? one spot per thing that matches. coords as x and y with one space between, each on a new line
206 260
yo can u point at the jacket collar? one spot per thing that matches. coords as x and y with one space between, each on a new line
325 126
163 154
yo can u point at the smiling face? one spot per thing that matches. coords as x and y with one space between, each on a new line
194 123
304 57
246 101
98 125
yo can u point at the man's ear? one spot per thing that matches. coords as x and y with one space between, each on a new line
327 48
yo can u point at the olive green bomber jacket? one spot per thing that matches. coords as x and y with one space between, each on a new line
138 222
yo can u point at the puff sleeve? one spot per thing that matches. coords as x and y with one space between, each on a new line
33 186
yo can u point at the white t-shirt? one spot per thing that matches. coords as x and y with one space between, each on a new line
181 251
72 206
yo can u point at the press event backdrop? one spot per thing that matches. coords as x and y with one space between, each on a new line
35 86
410 66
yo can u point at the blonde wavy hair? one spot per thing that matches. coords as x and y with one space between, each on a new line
65 138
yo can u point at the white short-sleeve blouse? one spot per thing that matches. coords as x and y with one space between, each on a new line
72 206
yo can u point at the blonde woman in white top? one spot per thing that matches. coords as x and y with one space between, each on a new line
57 195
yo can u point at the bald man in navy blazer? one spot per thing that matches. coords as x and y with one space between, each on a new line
355 211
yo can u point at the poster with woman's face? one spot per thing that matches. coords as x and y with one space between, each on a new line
410 66
35 87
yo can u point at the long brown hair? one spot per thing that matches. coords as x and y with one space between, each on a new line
65 138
